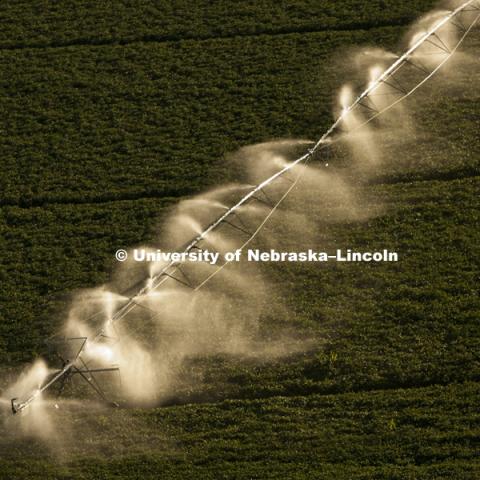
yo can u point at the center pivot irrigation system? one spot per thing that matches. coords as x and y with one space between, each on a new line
428 51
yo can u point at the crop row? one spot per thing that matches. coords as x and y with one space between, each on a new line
429 433
378 318
99 124
87 22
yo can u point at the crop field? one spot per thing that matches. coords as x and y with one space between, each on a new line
112 112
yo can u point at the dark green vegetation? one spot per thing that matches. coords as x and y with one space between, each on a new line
96 23
388 434
111 112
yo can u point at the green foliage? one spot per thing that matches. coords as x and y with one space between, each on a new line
428 433
87 22
112 111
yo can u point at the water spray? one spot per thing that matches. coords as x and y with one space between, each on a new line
428 51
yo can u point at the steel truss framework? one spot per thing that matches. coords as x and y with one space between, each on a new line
402 78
